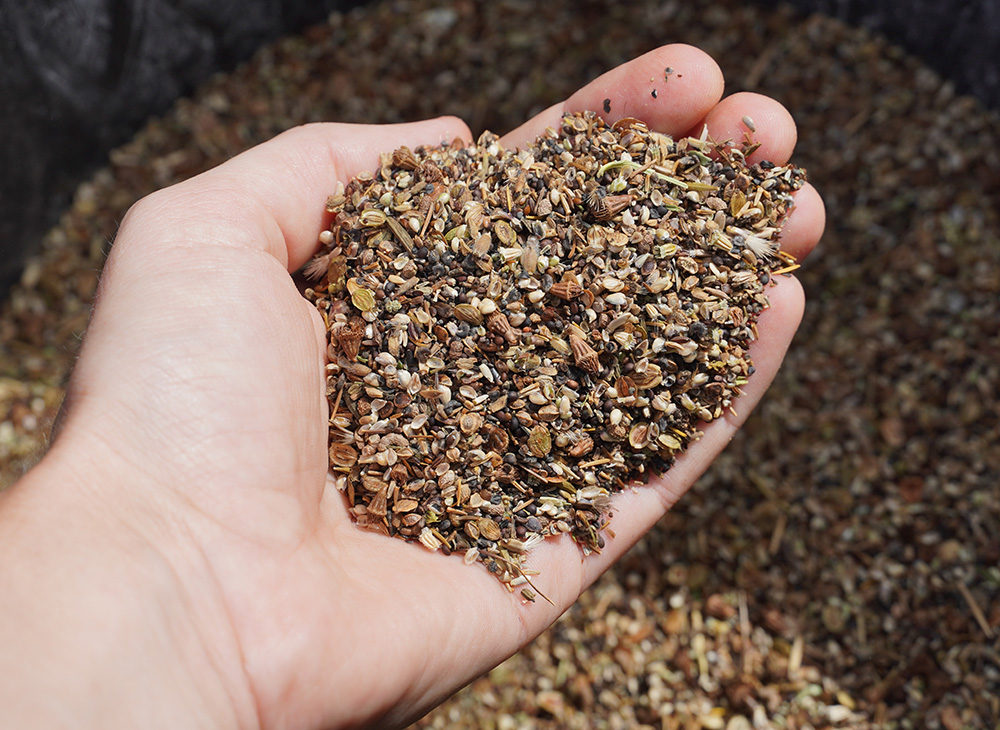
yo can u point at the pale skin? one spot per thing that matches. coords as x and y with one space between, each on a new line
180 557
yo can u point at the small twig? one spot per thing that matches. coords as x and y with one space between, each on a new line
977 612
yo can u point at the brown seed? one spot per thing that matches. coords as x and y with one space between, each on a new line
638 437
606 208
343 456
489 529
497 439
539 441
401 234
498 323
616 432
405 505
625 386
430 172
585 356
529 255
336 274
583 446
379 505
548 413
482 245
649 379
470 422
566 290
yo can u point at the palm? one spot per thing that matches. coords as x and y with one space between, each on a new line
228 366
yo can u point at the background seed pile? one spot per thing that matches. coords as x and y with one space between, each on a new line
514 335
837 567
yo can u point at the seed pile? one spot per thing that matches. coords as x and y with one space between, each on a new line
516 335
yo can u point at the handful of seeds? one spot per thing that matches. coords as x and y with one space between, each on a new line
516 335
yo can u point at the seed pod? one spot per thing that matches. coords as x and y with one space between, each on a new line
649 378
529 256
584 355
497 322
625 386
539 441
405 505
638 437
429 540
430 172
475 214
606 208
349 335
567 290
482 245
497 439
379 506
404 158
616 432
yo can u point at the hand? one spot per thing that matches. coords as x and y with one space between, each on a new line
180 557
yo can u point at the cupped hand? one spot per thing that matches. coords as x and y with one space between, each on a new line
196 425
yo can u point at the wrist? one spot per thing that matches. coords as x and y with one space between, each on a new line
105 621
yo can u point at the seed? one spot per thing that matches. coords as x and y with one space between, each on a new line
363 299
638 437
373 218
429 540
470 423
567 290
583 446
489 529
349 335
504 233
468 313
403 157
539 441
585 356
529 255
343 455
497 322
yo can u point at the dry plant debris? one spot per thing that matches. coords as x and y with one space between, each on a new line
516 335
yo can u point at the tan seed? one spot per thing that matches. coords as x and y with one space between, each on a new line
539 441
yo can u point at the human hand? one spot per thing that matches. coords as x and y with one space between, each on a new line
189 479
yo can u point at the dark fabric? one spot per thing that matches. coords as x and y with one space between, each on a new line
78 77
960 40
